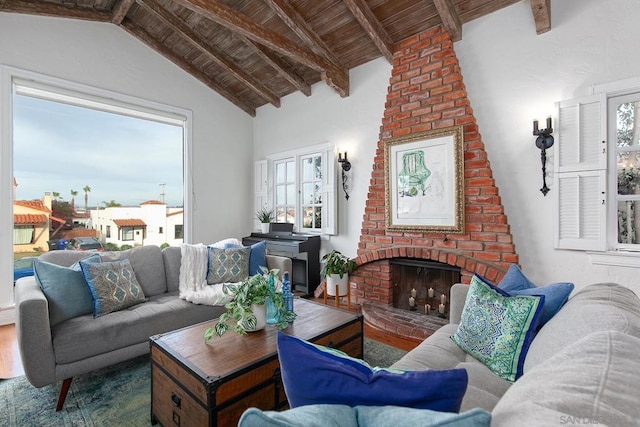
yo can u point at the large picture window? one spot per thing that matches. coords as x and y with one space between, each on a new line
73 148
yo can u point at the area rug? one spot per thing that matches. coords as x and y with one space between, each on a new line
115 396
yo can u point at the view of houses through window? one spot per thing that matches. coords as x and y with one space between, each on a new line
90 172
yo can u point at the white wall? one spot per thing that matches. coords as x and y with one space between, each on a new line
512 76
351 123
105 56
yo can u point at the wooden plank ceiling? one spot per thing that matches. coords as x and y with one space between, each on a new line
254 52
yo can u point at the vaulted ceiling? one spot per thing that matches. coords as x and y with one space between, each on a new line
254 52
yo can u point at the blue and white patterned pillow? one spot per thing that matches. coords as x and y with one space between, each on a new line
257 256
228 265
497 329
113 286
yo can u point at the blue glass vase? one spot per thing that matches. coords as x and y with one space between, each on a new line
272 311
286 292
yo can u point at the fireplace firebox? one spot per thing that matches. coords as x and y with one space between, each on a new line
423 286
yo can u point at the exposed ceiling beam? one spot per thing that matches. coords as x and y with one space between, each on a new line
64 10
334 76
120 10
279 65
541 15
219 57
450 18
372 27
145 37
298 25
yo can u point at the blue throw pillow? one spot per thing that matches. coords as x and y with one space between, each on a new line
314 374
363 416
497 329
307 416
393 416
555 294
65 289
257 257
113 286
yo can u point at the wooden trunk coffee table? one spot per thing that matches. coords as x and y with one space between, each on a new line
198 384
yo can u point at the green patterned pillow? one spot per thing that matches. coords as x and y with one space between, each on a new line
497 329
228 265
113 286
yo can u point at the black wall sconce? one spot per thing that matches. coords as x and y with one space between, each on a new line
544 141
346 166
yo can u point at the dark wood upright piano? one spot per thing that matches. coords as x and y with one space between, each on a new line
304 251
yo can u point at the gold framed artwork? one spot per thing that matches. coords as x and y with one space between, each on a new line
424 181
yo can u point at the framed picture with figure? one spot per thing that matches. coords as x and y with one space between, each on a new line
424 181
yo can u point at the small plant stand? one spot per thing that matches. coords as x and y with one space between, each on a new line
337 295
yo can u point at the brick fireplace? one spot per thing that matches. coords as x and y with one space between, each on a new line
426 92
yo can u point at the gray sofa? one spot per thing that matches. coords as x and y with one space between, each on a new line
83 344
583 366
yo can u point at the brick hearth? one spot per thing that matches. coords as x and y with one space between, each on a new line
426 92
403 323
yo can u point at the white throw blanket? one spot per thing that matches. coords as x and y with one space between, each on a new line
193 275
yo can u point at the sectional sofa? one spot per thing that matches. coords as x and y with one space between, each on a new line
81 344
582 367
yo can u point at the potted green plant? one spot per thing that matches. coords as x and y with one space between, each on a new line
248 307
336 268
265 216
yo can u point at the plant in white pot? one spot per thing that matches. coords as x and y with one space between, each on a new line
336 269
265 216
248 307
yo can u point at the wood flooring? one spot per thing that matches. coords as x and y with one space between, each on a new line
10 363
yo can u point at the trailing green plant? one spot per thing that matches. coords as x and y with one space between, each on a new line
336 263
254 290
265 215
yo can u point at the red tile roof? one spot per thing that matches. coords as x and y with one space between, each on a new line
152 202
176 213
33 204
29 219
131 222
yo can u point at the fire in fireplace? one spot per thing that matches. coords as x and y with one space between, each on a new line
423 286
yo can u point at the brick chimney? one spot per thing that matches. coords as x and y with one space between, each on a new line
426 92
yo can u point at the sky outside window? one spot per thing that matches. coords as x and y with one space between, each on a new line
60 147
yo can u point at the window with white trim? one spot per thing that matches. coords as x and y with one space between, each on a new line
299 186
597 170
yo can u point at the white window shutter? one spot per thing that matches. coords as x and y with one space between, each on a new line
580 174
581 210
260 177
581 134
329 193
260 188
